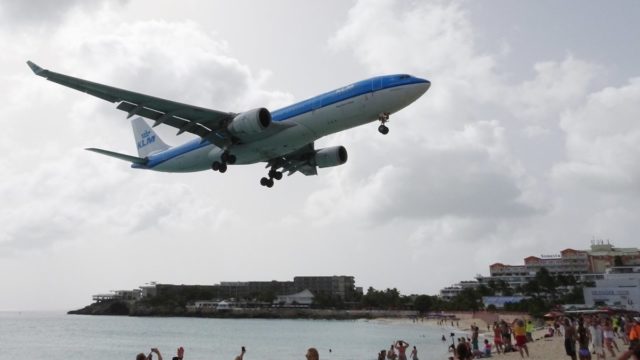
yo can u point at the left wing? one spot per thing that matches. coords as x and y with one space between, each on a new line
206 123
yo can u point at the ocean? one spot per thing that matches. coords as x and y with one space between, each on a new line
57 336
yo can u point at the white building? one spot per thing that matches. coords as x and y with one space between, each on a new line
620 288
454 290
304 298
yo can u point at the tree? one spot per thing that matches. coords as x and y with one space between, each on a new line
423 303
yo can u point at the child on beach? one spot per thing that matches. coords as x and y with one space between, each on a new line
487 348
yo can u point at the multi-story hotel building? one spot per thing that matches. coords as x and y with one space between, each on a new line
584 265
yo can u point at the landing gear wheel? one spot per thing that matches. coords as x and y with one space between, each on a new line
383 129
215 166
278 175
223 168
270 183
264 181
228 158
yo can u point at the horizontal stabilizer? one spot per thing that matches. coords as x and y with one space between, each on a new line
129 158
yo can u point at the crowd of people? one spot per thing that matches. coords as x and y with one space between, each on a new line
596 335
585 338
398 351
503 333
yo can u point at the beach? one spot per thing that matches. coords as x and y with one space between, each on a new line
540 349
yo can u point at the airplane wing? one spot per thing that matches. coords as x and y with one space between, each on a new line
206 123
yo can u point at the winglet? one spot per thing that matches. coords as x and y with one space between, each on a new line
35 68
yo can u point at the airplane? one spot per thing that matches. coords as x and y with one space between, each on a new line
283 139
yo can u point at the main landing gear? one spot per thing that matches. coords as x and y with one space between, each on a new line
226 158
383 118
273 174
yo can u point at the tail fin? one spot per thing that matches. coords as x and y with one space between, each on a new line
147 141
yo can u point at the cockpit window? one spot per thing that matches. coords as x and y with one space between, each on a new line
404 76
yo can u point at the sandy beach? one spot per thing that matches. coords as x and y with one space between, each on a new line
540 349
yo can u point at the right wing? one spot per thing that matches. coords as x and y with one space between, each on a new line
206 123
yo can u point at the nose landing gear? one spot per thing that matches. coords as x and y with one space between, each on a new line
383 118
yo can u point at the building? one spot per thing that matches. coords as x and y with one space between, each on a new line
586 266
603 256
302 298
454 290
342 287
253 289
620 289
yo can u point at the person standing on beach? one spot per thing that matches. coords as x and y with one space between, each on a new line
474 337
609 338
597 339
519 331
402 346
391 354
414 354
529 328
497 338
583 341
569 339
505 330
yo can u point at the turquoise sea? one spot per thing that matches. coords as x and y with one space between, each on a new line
57 336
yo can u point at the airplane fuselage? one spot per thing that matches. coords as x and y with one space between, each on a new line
322 115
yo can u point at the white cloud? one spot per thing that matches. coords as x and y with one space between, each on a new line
602 142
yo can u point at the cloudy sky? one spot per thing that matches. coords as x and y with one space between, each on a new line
528 142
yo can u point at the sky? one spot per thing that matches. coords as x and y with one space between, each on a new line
527 142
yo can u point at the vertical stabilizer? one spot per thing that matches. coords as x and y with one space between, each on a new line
147 141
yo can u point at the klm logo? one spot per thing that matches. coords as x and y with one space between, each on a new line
147 138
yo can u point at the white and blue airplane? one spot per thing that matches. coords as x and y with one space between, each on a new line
283 139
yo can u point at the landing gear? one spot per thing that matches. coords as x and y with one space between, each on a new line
226 159
273 174
383 118
266 182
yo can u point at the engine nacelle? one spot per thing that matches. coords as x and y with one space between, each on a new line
332 156
250 122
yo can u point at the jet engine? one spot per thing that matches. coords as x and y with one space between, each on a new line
332 156
250 122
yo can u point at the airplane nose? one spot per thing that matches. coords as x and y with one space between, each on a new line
425 85
422 86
